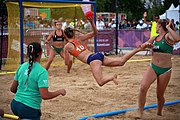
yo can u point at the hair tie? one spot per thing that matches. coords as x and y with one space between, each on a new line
31 49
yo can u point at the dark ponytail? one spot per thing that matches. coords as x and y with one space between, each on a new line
33 51
69 32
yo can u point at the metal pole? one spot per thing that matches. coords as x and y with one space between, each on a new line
95 38
116 27
21 32
2 22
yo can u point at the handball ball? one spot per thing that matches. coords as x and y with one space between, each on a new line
89 14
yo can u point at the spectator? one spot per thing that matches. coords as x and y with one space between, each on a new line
153 24
141 25
67 24
100 24
87 25
177 27
112 24
134 23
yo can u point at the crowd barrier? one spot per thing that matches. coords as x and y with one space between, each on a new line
105 39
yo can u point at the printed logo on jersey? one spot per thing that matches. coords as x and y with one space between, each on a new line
45 82
80 48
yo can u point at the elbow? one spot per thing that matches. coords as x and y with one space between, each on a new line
44 97
13 90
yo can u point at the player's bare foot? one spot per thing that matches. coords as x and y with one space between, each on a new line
115 79
159 114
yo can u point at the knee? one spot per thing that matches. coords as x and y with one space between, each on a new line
143 89
100 83
70 61
160 97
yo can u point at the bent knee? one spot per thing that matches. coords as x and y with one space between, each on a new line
100 83
143 89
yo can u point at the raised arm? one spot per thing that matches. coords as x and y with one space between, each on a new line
145 21
91 34
172 33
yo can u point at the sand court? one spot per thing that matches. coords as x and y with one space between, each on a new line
84 97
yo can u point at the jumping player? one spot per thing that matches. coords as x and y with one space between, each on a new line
77 48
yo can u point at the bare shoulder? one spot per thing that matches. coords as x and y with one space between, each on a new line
169 37
69 46
52 33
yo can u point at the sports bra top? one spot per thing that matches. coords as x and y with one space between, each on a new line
58 38
162 46
79 48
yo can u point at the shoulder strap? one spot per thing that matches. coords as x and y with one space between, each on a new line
73 42
156 38
55 32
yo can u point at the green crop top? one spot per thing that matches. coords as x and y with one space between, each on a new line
162 46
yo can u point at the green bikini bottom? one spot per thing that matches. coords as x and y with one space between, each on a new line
159 70
58 50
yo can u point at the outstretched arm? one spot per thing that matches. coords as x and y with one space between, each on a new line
46 94
127 56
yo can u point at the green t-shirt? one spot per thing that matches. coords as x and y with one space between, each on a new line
29 94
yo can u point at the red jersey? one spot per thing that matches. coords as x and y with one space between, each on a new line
78 48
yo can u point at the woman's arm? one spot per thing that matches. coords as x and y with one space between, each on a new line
49 38
145 21
14 86
45 94
172 34
127 56
91 34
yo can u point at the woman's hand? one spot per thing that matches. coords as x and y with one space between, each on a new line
91 19
46 42
145 45
169 24
145 14
62 92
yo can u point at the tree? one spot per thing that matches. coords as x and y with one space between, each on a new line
160 9
167 3
133 8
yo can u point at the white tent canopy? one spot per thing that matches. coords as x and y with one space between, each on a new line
171 13
171 7
163 16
